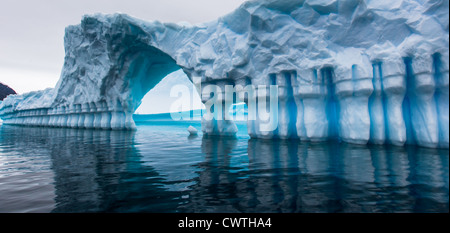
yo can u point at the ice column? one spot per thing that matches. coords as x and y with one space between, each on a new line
105 122
45 117
287 109
312 95
90 117
394 89
129 122
377 123
209 97
441 64
226 125
81 110
265 125
354 117
97 115
51 121
299 124
87 117
57 116
32 117
73 122
331 86
63 119
117 116
216 120
245 92
421 89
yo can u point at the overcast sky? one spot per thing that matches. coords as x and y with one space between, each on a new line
32 32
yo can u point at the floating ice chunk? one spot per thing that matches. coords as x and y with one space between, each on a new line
192 130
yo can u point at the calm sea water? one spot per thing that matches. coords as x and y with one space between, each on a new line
159 168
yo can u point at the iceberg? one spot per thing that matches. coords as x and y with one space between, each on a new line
358 71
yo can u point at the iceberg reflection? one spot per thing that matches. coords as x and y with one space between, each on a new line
70 170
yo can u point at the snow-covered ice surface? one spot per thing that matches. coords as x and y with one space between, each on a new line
358 70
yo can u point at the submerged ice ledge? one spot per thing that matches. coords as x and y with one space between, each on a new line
75 117
357 71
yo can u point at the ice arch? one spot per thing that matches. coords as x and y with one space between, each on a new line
352 70
110 64
145 68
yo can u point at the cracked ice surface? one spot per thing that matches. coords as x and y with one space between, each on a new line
360 71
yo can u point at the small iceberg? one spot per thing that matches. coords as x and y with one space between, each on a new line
192 130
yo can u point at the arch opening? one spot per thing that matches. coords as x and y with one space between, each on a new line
161 100
145 69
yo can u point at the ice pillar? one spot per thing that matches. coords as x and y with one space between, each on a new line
216 120
421 90
394 90
353 95
287 112
441 67
313 96
376 110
